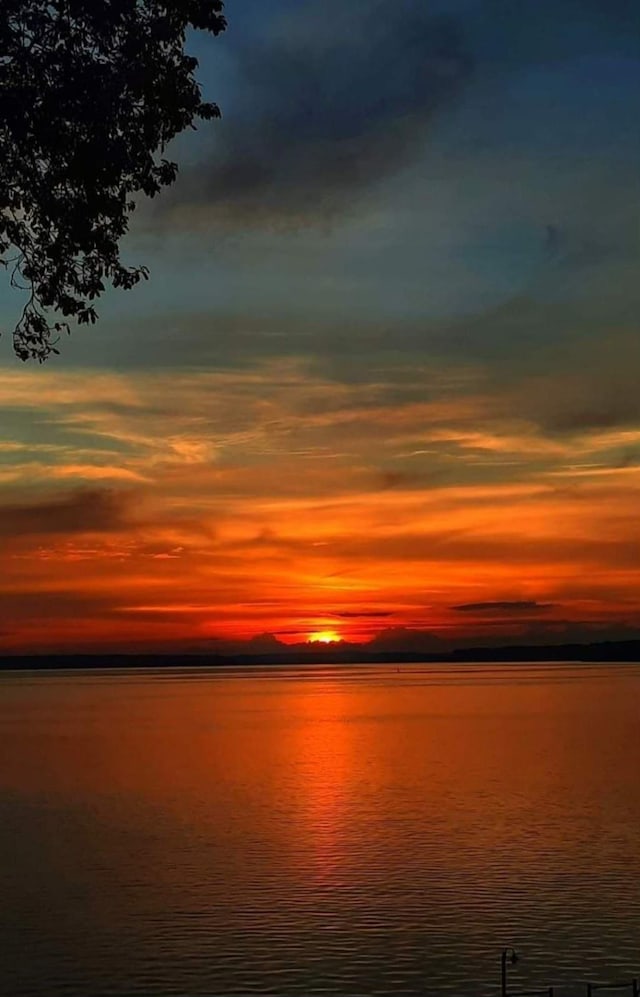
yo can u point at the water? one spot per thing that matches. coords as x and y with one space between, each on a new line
344 831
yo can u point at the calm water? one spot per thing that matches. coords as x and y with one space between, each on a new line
349 831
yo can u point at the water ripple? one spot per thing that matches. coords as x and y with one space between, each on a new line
335 832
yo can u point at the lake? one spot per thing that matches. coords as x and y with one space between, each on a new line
335 831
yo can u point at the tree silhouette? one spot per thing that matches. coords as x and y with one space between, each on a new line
91 92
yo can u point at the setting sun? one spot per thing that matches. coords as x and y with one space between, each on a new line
325 637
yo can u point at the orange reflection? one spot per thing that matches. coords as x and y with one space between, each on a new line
323 746
332 776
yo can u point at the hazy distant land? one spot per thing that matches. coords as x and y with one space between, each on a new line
603 651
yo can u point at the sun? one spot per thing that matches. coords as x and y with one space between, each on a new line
325 637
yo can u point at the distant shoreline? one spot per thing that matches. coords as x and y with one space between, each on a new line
603 652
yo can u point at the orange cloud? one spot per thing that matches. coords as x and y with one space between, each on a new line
223 505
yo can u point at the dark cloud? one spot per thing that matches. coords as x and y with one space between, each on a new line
407 639
331 98
51 604
397 479
567 365
335 100
591 386
90 510
508 606
364 614
552 632
269 639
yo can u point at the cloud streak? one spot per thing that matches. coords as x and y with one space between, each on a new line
518 606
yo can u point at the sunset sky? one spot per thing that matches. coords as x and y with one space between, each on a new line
383 382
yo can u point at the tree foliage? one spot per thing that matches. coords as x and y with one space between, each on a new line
91 92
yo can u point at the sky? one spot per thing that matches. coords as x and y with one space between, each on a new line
382 383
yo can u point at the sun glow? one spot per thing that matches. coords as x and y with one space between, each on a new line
325 637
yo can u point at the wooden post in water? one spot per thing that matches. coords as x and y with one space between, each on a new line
636 989
511 955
